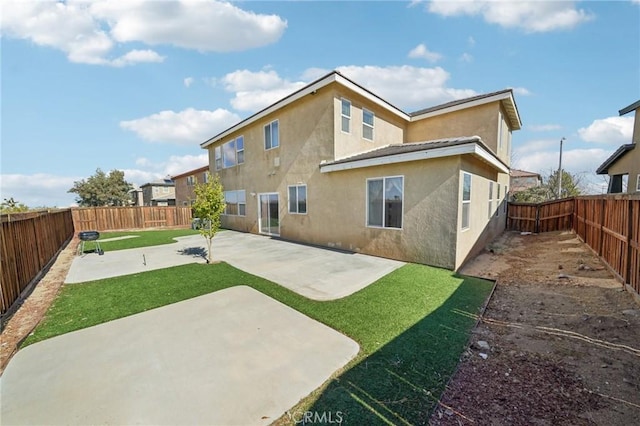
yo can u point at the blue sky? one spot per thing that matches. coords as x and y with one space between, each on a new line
138 85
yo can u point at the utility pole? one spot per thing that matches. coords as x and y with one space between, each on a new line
560 171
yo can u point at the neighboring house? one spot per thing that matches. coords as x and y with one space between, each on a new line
335 165
136 196
159 193
521 180
185 183
624 163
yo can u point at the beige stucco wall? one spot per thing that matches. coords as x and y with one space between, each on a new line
636 127
482 228
388 128
629 163
481 120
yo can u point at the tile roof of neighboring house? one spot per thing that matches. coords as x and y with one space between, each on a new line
191 172
629 108
504 96
619 153
522 173
159 182
403 152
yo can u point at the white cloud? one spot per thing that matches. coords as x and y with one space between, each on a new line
531 16
610 130
39 189
522 91
186 127
88 31
257 90
405 86
188 82
471 41
174 165
421 51
466 57
543 127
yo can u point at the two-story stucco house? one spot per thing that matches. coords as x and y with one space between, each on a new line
624 163
159 193
335 165
185 184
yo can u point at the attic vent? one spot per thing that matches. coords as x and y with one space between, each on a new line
276 162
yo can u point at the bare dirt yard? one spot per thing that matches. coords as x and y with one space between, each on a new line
559 342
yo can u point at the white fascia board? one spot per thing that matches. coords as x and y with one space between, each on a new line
470 148
274 107
465 105
302 93
490 158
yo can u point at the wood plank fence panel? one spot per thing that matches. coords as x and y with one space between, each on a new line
609 224
29 244
136 217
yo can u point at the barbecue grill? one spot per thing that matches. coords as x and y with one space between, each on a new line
90 236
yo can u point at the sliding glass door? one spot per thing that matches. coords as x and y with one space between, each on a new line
268 214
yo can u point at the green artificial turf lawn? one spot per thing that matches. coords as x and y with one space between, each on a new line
142 238
412 326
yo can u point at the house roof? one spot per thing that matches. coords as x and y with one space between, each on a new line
166 197
523 173
191 172
618 154
403 152
629 108
504 96
160 182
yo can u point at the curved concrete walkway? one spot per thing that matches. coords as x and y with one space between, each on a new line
234 357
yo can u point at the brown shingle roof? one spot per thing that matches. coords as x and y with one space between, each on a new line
459 102
404 148
522 173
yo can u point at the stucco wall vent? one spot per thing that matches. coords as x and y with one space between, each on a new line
276 162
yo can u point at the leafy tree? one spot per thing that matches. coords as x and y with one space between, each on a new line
208 206
102 189
9 205
549 189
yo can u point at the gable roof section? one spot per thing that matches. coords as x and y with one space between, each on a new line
523 173
503 96
629 108
310 89
618 154
404 152
191 172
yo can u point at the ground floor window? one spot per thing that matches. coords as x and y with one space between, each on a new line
466 199
298 199
236 203
384 202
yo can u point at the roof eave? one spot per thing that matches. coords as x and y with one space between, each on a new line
617 155
629 108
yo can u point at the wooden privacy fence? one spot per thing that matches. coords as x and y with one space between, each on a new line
136 217
609 224
29 243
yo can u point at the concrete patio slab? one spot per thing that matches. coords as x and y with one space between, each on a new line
234 357
316 273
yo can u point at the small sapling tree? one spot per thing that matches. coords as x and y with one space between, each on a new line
208 207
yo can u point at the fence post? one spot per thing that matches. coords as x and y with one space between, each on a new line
627 273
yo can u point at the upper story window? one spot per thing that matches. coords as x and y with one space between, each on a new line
191 180
346 116
205 177
638 184
218 156
384 202
271 135
240 149
367 124
229 154
466 200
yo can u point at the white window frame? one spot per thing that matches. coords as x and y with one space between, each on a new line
306 198
384 189
343 116
490 212
191 180
233 160
205 177
270 127
466 202
638 183
498 201
239 151
238 194
218 157
367 125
